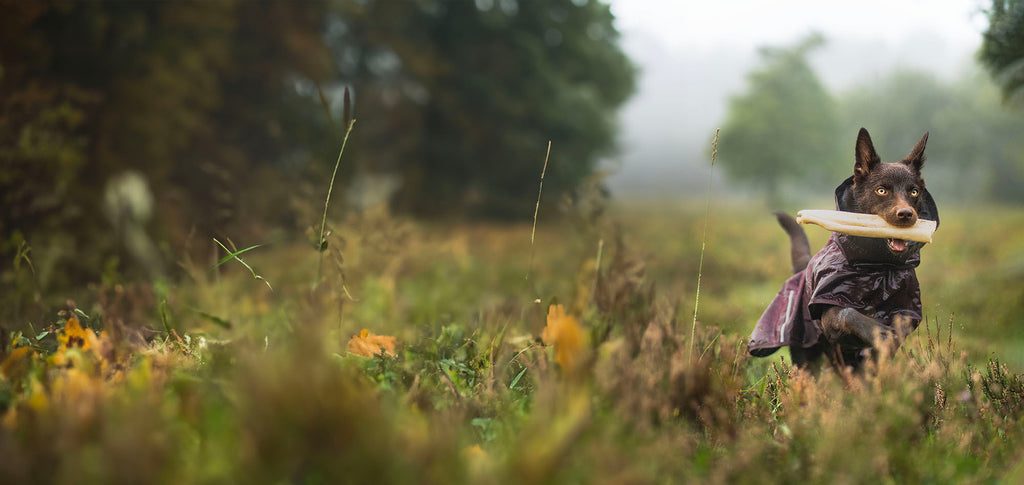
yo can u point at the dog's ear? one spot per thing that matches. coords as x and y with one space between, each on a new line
866 158
916 158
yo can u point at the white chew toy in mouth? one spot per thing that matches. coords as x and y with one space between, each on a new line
869 225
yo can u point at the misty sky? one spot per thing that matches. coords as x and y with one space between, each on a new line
693 55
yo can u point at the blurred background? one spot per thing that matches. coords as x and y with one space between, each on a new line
132 133
198 286
795 80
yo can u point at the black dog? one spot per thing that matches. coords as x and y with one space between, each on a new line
857 292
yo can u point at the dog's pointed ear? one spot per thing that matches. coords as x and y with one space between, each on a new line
916 158
866 158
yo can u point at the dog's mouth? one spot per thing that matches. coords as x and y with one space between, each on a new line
896 245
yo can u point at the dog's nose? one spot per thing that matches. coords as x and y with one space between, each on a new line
905 214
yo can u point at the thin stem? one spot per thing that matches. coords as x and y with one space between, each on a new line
597 268
327 203
703 240
536 210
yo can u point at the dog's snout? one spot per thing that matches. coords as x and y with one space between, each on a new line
906 215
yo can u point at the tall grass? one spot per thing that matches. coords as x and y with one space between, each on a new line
536 210
321 242
470 396
703 240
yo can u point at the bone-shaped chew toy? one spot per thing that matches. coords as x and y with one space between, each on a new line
867 225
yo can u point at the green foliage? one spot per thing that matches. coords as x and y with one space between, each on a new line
1002 48
898 107
785 129
784 126
477 90
974 154
225 116
199 98
472 396
1004 389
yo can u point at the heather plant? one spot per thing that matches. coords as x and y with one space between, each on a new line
440 365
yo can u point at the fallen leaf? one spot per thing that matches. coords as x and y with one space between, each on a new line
474 451
73 335
367 344
565 333
16 365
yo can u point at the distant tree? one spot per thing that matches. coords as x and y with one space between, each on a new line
224 107
460 98
980 142
1002 47
197 97
975 152
784 126
897 109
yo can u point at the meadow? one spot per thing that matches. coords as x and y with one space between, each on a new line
450 352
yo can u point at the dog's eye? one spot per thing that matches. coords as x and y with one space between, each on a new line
881 191
914 192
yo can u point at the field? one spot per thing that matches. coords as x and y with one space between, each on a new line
481 377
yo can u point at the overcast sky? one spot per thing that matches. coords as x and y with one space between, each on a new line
709 24
694 54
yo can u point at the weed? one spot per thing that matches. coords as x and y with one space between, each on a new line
234 253
321 243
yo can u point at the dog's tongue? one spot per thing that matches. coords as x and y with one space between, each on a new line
897 245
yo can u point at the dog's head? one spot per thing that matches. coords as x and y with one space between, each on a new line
890 190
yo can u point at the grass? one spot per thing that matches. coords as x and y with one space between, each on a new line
215 379
321 243
536 211
703 241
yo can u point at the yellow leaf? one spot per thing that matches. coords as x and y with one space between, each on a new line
73 335
71 383
37 396
565 333
16 365
478 463
367 344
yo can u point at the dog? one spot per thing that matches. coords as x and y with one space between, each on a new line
857 295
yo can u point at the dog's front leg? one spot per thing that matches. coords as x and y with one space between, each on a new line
904 326
850 328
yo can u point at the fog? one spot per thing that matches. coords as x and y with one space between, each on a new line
686 78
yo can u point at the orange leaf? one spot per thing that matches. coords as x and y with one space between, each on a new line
16 365
367 344
565 333
73 335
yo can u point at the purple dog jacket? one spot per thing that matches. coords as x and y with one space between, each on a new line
850 271
793 318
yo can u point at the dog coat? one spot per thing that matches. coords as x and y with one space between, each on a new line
850 271
880 291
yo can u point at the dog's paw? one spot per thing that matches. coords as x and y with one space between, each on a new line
903 325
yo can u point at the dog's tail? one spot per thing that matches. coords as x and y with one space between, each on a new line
800 249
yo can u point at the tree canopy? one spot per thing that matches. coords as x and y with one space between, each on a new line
1002 48
974 153
229 109
784 126
197 97
460 98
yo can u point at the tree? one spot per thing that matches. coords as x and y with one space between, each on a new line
1002 47
975 151
224 108
784 126
460 98
897 109
198 98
